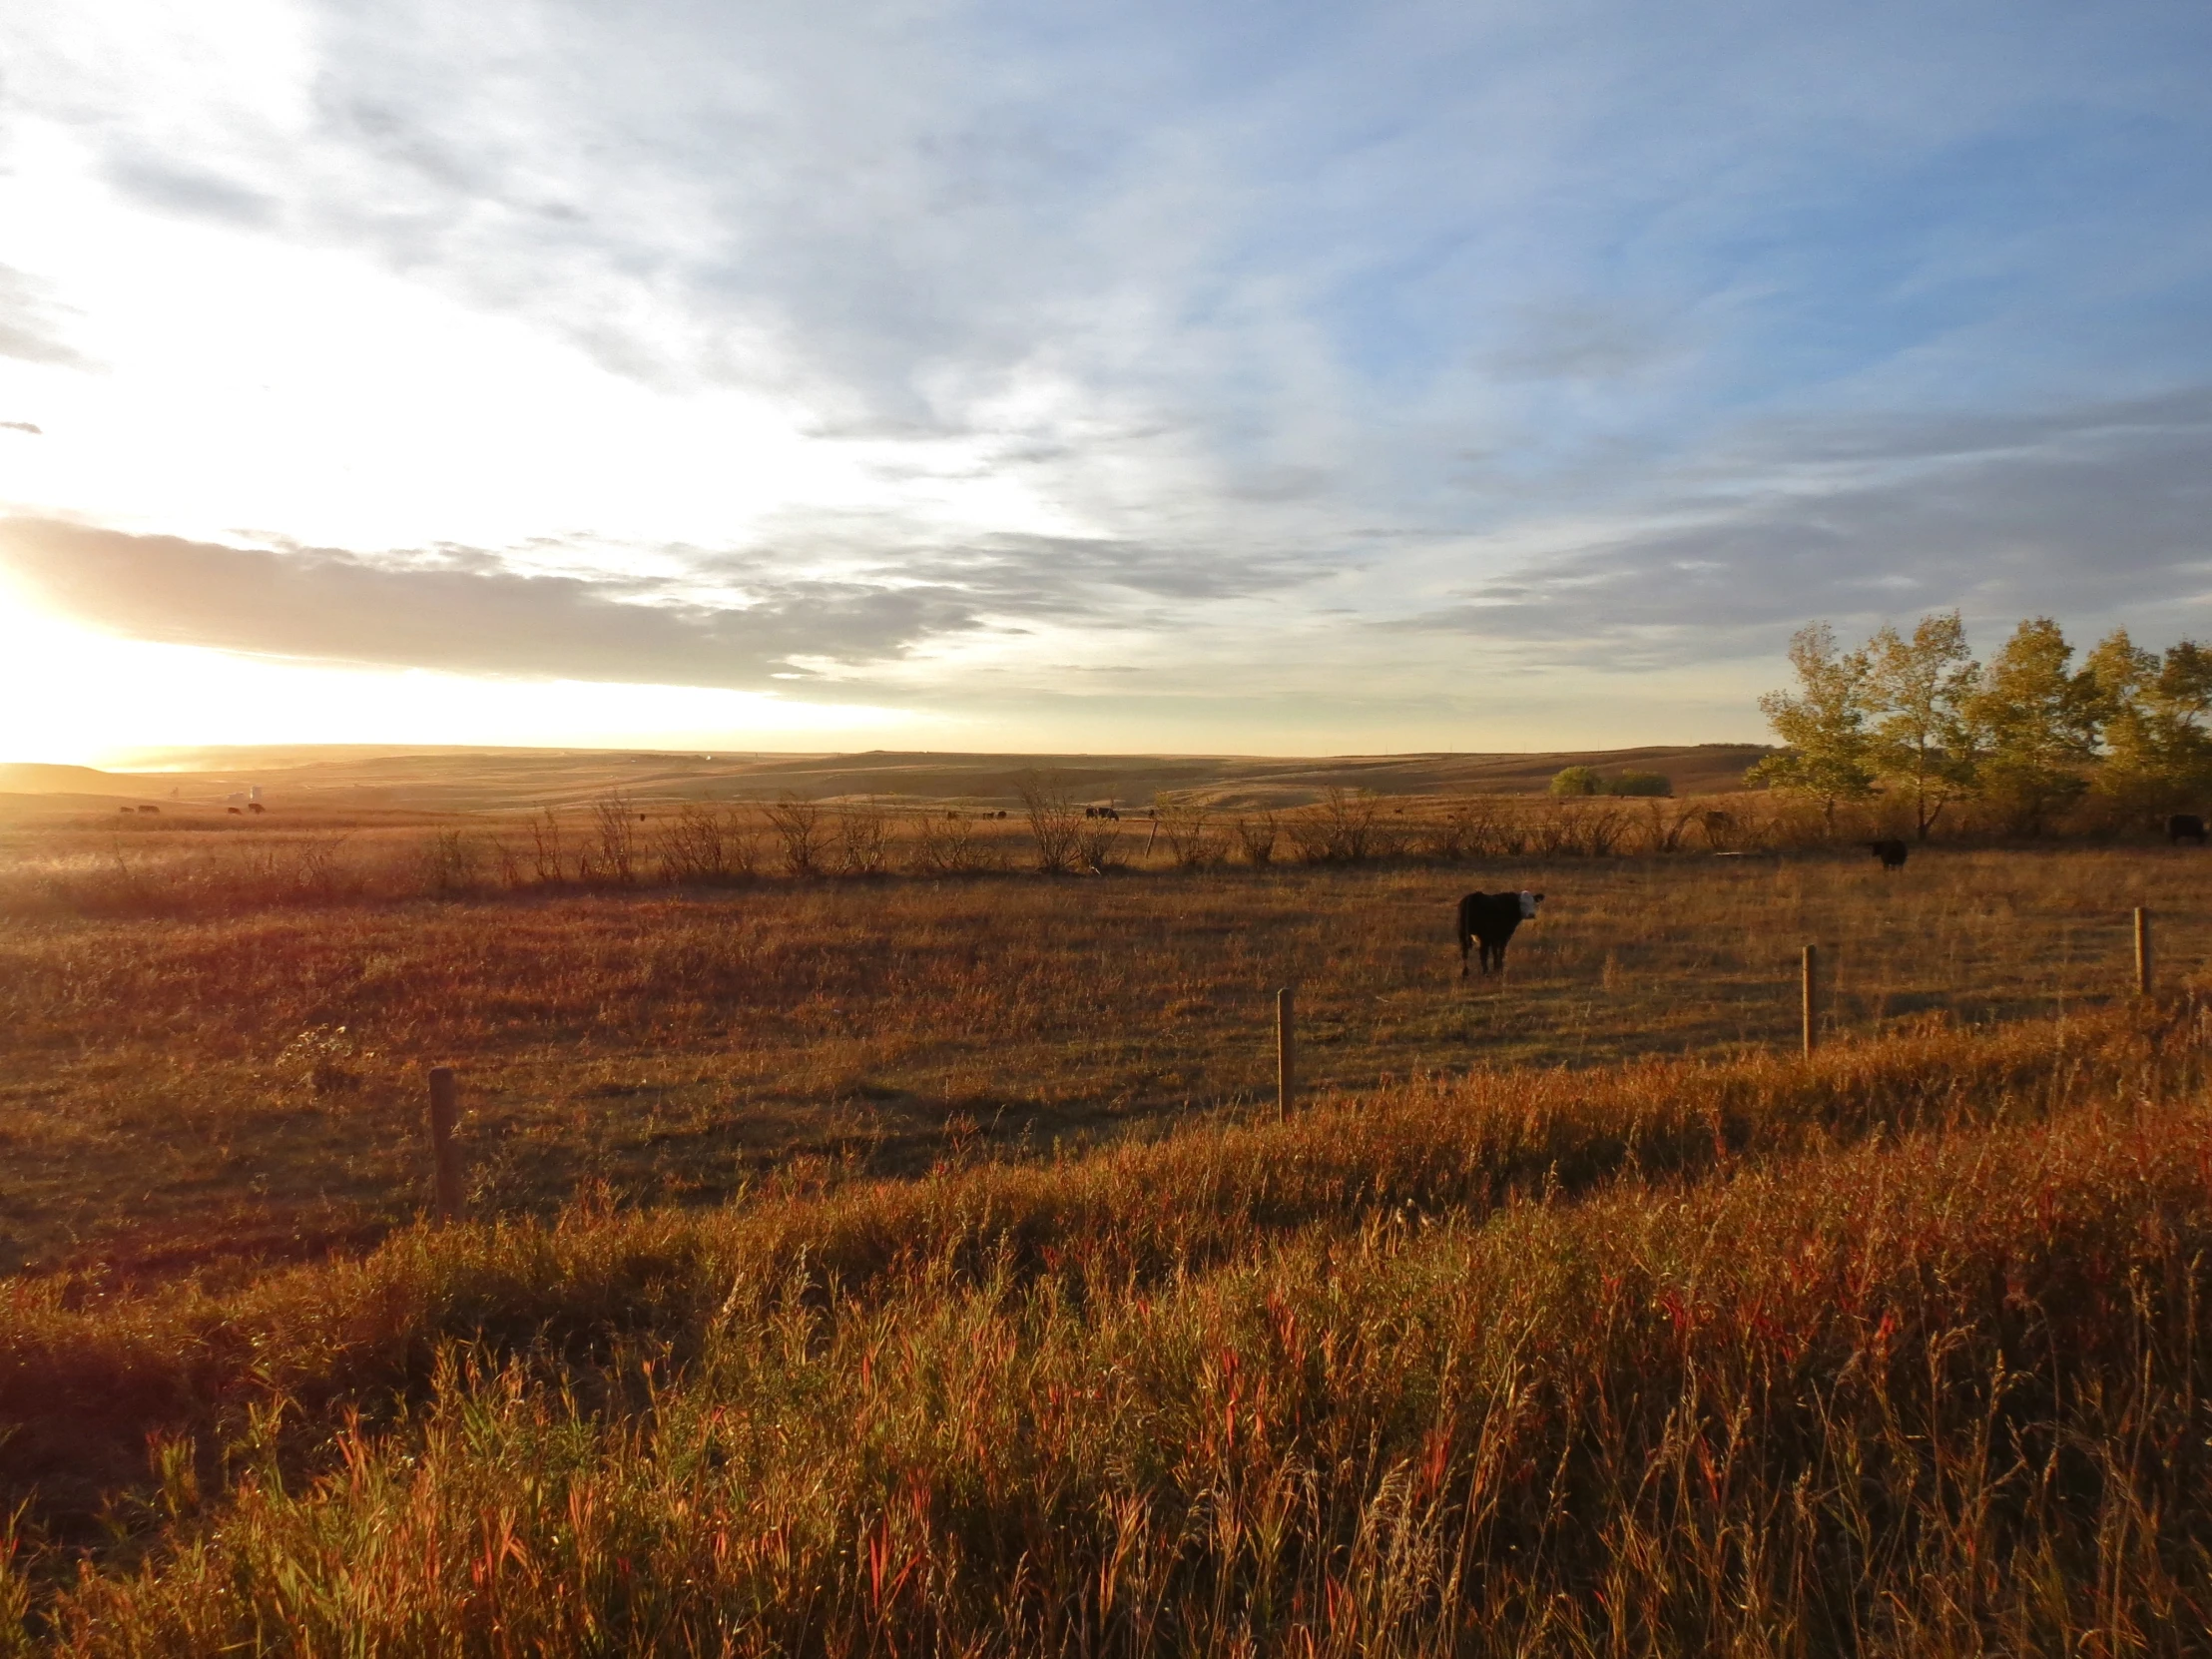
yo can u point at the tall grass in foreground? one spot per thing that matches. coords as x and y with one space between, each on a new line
1899 1352
1945 1396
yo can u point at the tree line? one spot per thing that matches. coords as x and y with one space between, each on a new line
1916 720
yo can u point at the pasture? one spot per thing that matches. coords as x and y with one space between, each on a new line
242 1086
895 1262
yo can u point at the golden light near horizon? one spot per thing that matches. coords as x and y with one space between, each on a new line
72 696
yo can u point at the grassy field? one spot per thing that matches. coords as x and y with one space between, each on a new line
248 1085
892 1264
1899 1352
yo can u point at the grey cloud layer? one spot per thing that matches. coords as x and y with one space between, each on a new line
459 612
2102 513
465 611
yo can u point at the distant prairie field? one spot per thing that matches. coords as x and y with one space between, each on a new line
248 1085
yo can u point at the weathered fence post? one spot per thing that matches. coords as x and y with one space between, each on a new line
2142 951
445 1153
1808 974
1286 1050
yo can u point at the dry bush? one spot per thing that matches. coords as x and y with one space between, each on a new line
1191 842
1098 846
1664 828
451 862
700 845
1342 829
1257 837
614 822
863 839
1055 821
951 845
801 834
548 848
1457 828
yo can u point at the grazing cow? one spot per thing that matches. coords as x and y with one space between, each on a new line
2185 827
1490 918
156 810
1892 853
233 811
256 808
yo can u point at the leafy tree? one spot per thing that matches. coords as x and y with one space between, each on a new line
1828 752
1576 781
1923 747
2034 722
1639 783
2152 714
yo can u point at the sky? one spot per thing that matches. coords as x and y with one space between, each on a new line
1260 377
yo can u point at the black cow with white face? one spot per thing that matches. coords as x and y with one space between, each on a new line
1489 918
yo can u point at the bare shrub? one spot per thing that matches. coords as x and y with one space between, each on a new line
1571 828
1054 819
1509 834
864 834
1182 821
615 830
1667 825
1309 833
1351 816
1460 831
1256 835
701 845
1342 829
949 846
1098 846
547 849
322 876
1601 830
449 862
804 838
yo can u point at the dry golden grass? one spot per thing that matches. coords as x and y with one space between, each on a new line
247 1084
891 1264
1899 1352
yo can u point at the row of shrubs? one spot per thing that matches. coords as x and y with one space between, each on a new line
613 844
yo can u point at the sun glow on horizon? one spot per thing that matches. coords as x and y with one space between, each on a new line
74 696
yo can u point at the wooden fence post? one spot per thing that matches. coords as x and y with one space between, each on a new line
1809 974
445 1155
1286 1050
2142 951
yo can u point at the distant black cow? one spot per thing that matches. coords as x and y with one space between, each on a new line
2185 827
1892 853
1490 918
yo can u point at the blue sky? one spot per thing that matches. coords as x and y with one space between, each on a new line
1256 377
